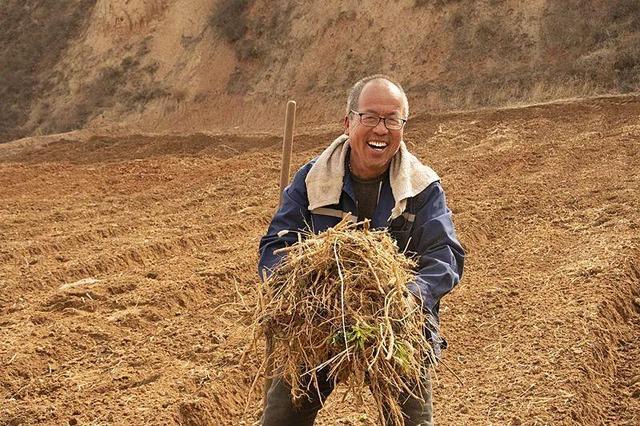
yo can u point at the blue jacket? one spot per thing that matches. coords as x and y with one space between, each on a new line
425 230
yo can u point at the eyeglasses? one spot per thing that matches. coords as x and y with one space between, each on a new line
371 120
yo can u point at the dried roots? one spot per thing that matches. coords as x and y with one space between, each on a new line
339 304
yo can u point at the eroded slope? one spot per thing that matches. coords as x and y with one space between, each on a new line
186 65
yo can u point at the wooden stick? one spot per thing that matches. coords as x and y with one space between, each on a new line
287 147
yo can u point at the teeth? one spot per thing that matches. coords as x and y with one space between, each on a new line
378 144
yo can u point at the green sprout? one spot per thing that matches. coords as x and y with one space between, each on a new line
403 354
357 335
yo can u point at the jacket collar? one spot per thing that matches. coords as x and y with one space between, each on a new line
407 175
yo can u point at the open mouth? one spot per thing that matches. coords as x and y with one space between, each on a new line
377 145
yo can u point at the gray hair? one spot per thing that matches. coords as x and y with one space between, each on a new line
354 93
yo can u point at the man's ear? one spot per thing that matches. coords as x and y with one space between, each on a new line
345 124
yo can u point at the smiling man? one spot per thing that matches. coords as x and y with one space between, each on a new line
368 173
377 111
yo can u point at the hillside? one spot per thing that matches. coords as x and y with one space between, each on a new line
128 261
203 65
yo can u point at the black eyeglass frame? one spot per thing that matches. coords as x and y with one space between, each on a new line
384 119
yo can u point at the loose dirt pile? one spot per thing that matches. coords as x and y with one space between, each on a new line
124 261
339 303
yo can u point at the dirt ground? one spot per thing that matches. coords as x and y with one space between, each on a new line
127 263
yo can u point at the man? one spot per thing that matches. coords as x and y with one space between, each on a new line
367 173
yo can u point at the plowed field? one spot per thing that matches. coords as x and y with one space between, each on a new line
127 263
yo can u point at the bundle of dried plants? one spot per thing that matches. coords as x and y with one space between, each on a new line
339 303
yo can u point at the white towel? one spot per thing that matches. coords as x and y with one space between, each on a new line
407 174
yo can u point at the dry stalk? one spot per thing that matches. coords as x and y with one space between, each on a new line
339 305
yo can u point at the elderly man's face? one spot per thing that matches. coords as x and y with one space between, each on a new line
373 147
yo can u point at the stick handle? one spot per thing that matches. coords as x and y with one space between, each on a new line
287 147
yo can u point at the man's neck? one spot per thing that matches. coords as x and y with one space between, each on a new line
366 174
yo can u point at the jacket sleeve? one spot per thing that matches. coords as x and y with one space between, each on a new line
291 218
439 254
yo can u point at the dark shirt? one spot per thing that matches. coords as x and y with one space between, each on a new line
367 194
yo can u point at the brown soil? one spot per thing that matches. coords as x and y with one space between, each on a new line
125 260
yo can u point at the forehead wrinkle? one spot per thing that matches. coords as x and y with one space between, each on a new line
381 97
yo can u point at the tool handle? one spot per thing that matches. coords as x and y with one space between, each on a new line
287 147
